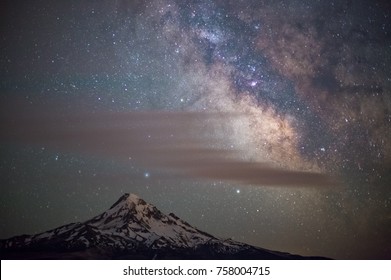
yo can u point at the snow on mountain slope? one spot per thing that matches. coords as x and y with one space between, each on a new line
132 217
130 222
131 228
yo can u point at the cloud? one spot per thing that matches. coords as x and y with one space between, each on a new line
184 143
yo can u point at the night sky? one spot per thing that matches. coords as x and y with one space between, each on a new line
268 122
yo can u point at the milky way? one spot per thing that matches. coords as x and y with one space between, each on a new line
300 88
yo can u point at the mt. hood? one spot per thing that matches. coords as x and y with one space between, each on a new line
131 229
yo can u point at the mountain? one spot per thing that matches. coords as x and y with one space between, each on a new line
131 229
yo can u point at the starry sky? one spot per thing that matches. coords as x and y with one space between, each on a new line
268 122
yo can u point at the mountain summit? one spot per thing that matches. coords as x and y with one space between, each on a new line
131 218
131 229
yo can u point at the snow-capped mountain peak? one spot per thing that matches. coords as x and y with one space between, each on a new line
133 218
132 228
129 200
